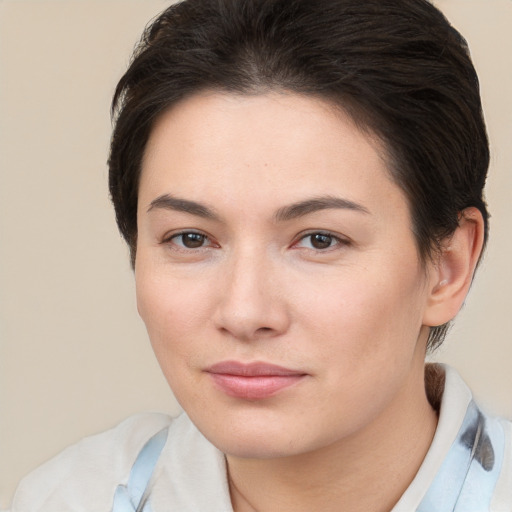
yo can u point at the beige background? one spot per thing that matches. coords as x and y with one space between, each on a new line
74 358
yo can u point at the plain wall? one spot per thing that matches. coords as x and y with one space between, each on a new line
74 357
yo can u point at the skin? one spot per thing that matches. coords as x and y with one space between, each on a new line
336 292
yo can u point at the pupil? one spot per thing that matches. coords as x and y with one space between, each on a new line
193 240
320 241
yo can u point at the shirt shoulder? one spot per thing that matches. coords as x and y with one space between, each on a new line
502 500
84 476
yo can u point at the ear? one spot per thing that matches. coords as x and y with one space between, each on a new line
451 276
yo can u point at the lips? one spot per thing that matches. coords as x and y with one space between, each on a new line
254 381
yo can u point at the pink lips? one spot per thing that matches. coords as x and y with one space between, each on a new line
254 381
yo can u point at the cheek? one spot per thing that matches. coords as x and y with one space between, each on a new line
173 319
171 311
366 331
365 316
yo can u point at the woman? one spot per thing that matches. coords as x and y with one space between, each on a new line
300 185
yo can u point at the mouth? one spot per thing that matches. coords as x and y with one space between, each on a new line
253 381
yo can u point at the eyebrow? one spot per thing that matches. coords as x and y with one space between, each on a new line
289 212
308 206
168 202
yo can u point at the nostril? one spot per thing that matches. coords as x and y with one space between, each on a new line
264 329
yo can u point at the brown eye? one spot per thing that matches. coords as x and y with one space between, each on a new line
321 241
190 240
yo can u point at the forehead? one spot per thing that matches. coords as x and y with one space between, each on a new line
260 141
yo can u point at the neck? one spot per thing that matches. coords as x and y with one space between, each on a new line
384 457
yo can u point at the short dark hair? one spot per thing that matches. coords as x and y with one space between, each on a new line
397 67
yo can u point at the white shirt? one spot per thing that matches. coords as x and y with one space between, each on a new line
190 475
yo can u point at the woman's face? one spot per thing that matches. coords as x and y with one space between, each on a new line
277 273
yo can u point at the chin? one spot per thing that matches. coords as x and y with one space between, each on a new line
255 448
266 440
250 438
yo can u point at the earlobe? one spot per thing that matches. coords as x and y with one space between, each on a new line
452 275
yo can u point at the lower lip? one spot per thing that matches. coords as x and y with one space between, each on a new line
254 388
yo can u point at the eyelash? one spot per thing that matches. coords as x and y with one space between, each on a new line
335 241
181 246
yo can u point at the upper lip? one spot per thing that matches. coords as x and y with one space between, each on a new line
254 369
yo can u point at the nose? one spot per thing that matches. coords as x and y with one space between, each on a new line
252 304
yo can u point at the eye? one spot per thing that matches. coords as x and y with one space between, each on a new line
320 241
189 240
